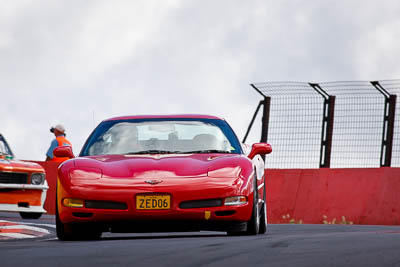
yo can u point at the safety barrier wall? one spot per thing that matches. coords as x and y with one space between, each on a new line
359 196
51 177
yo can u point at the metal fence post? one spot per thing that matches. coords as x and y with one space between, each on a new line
266 103
265 119
388 125
327 126
252 121
327 136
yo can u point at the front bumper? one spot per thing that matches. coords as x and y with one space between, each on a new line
203 217
23 197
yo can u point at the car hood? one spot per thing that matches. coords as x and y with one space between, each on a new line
166 165
19 166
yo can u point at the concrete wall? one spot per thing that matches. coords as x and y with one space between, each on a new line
359 196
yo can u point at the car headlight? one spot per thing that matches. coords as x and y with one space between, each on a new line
237 200
37 178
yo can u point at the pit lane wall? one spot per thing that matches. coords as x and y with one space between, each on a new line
358 196
51 177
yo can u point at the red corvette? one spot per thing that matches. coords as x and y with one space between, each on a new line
161 173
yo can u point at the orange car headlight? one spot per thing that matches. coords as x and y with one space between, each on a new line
38 178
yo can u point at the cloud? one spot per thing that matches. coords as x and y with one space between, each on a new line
79 63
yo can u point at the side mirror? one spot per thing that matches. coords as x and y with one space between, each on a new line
260 149
63 152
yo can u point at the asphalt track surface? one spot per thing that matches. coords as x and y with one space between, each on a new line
283 245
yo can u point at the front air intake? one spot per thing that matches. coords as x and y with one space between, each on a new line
105 205
205 203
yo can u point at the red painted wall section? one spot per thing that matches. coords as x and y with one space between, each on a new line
359 196
51 177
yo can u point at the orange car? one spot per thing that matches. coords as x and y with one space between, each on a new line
23 185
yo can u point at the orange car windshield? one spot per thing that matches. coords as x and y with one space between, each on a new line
5 149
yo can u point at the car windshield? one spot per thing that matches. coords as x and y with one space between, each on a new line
4 148
161 136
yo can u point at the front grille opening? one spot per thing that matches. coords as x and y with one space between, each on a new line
23 204
8 189
13 178
106 205
205 203
225 212
82 214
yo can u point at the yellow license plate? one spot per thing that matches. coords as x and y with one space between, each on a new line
153 202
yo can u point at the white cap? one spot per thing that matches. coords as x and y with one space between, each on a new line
58 127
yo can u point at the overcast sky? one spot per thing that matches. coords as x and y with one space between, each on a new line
79 62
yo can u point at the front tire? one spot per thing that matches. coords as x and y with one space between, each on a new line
263 219
62 230
69 232
253 225
263 216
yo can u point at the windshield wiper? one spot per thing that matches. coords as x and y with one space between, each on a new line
208 151
156 151
152 151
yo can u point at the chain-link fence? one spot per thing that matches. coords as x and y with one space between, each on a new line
334 124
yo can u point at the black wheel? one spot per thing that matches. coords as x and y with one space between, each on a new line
263 216
253 225
69 232
30 215
63 230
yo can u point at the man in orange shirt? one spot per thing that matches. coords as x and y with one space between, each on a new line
60 140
